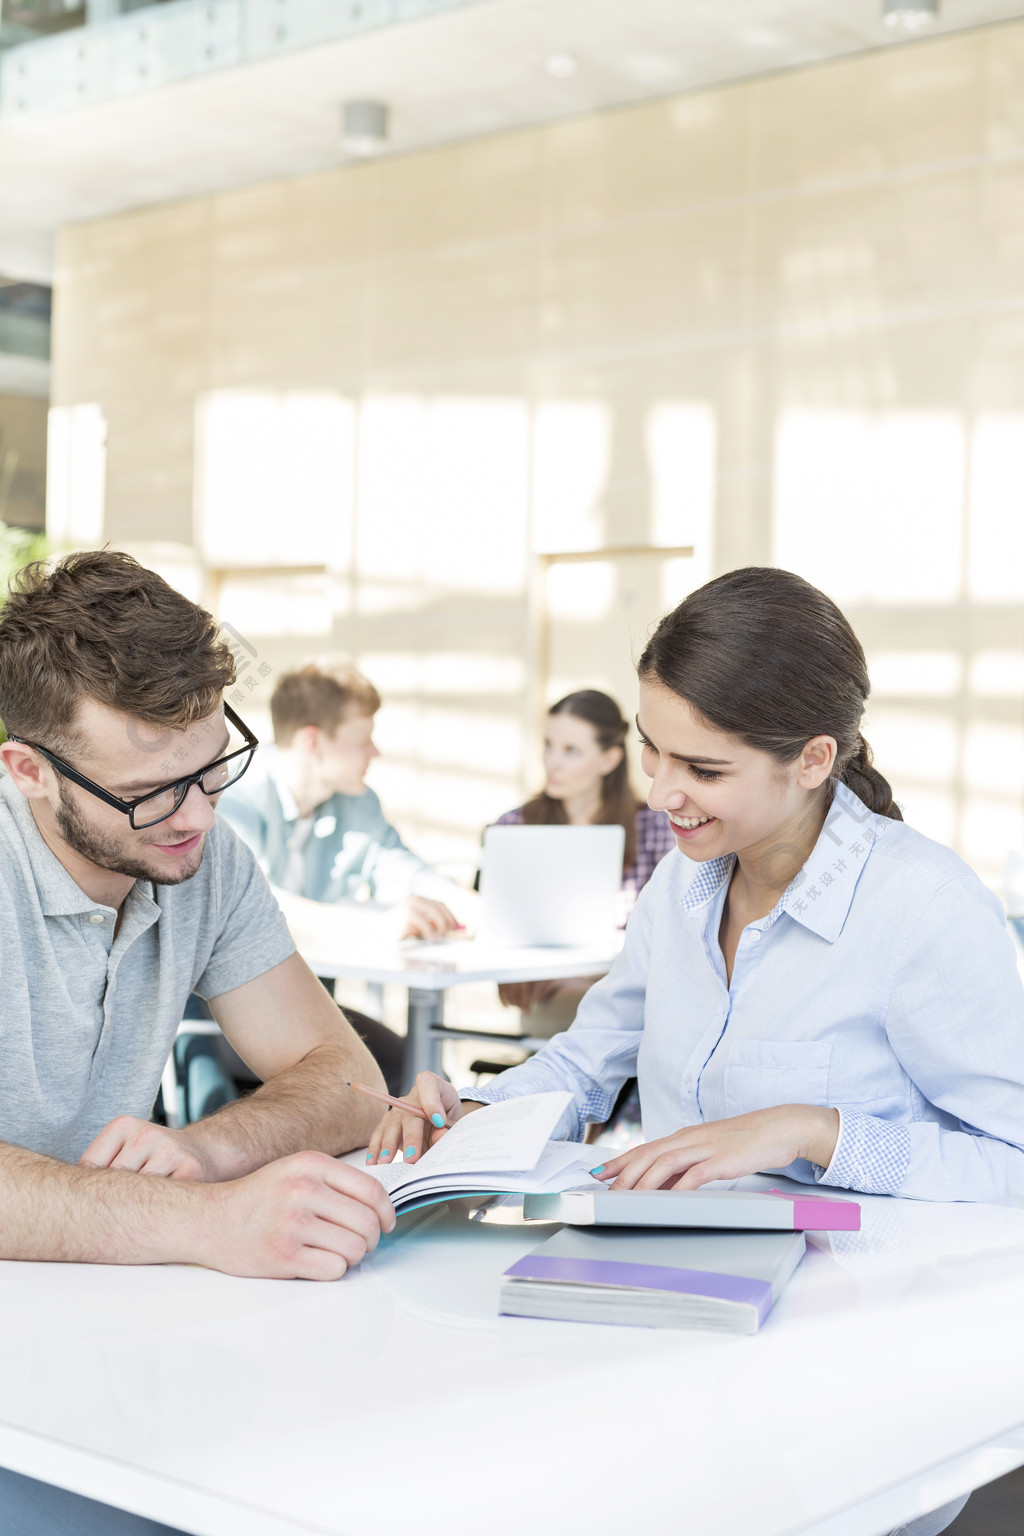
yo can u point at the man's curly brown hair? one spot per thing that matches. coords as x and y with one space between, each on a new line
96 624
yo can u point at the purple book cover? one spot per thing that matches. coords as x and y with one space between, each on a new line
648 1277
744 1269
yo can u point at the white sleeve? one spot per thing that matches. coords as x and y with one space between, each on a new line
598 1053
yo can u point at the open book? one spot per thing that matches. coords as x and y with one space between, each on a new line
502 1147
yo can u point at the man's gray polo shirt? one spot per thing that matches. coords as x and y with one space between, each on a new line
86 1019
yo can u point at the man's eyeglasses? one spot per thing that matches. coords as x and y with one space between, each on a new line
163 802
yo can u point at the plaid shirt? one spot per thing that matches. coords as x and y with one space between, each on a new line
654 838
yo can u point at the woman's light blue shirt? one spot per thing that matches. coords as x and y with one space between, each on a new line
884 983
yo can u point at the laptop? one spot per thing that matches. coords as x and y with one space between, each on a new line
550 886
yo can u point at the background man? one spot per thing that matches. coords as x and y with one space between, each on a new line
319 832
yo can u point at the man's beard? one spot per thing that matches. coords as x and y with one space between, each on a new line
106 851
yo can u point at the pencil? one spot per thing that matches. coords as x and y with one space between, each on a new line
386 1098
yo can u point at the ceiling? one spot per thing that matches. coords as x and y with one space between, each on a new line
479 69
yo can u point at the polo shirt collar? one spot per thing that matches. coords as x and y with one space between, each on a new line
59 894
820 894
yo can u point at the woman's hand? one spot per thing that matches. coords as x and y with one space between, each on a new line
398 1131
727 1149
423 918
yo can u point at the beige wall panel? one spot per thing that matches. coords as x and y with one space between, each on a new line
682 277
468 308
782 315
872 116
476 195
22 461
638 488
149 469
641 163
834 261
1001 213
1003 69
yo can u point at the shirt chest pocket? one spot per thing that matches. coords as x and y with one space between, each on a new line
761 1073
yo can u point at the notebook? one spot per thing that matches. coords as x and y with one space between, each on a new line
550 885
501 1148
726 1281
772 1211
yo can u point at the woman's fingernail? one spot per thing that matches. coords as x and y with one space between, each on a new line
410 1152
385 1152
369 1157
437 1120
595 1171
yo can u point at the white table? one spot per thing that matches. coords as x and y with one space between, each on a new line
429 969
889 1379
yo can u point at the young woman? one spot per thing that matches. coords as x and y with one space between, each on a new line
586 783
833 996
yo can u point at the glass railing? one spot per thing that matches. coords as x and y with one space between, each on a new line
25 21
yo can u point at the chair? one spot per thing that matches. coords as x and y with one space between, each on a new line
195 1081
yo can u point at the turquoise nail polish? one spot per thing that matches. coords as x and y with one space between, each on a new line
595 1171
386 1152
369 1157
410 1152
437 1120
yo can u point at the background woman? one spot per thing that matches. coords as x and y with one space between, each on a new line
586 783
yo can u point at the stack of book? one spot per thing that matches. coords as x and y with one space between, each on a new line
715 1259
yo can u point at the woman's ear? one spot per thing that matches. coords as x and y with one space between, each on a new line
611 759
817 761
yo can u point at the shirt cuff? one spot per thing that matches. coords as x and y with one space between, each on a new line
484 1095
871 1155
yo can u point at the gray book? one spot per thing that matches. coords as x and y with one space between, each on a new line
727 1281
772 1210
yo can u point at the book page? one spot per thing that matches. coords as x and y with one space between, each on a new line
562 1165
508 1136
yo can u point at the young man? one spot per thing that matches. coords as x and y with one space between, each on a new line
320 834
316 828
121 893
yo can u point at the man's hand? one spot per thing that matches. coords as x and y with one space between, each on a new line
523 994
400 1132
139 1146
728 1149
423 918
305 1217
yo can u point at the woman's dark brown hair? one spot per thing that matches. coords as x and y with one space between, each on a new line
766 657
98 624
618 802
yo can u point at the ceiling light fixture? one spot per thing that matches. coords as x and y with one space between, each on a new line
561 66
364 127
909 15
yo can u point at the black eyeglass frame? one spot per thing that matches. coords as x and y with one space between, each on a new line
181 787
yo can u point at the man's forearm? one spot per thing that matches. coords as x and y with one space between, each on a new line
306 1108
305 1217
51 1211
